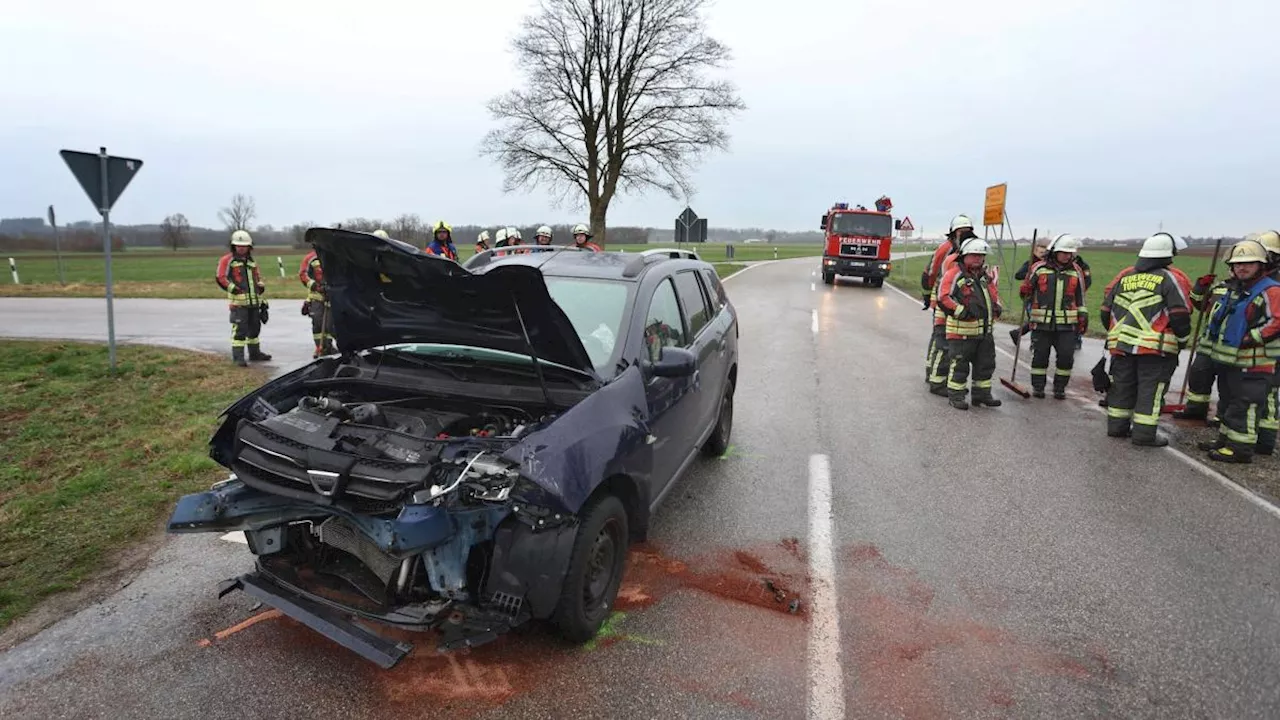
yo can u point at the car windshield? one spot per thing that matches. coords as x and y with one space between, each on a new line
861 224
596 308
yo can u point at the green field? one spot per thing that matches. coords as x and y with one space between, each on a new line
189 273
93 462
1104 264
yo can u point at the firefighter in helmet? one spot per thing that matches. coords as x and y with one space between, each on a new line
970 302
1054 289
442 243
1146 311
937 359
1241 338
311 275
543 235
582 238
1269 421
482 241
238 275
382 234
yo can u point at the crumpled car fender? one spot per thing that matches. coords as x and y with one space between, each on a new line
601 436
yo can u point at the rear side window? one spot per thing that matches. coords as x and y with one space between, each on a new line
715 291
696 314
662 325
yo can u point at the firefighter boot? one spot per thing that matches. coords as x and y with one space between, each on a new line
1233 453
985 398
237 356
255 353
1060 386
1146 436
1214 444
957 400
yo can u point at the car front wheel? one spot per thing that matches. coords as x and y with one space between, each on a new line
595 570
718 443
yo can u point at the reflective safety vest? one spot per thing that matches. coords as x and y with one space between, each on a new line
969 300
311 275
1149 312
445 249
239 277
1056 295
1243 327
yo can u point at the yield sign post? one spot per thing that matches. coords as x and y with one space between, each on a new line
103 178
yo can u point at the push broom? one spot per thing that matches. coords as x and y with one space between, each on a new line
1017 348
1195 340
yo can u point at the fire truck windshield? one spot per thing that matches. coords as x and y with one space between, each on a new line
861 224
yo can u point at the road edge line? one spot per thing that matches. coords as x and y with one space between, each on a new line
826 677
1261 502
746 268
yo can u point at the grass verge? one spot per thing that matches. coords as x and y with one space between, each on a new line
190 274
92 462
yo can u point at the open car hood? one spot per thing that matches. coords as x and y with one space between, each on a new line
384 291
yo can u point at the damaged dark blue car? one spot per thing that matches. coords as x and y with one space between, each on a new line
485 446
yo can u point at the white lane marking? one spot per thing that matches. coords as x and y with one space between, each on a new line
826 678
813 322
1262 503
813 286
235 537
748 268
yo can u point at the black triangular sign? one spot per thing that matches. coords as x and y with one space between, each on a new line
85 166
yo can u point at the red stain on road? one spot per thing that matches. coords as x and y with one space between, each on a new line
913 659
767 577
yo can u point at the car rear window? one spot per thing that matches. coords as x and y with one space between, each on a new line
696 314
716 289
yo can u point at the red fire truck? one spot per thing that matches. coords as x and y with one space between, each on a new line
858 242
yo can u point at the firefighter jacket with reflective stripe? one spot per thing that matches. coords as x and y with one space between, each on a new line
588 245
970 300
445 249
1147 311
939 315
932 274
1242 329
311 276
239 277
1056 295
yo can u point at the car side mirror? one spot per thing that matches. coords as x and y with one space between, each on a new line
823 226
674 362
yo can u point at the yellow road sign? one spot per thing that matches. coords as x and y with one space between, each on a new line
993 210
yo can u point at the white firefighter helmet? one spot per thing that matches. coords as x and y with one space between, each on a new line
1066 242
514 234
1269 240
961 221
545 230
483 237
242 237
581 229
1160 245
975 246
500 235
1247 251
381 233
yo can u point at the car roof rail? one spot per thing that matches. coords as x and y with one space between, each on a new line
648 257
484 257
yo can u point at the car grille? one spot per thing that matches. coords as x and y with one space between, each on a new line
860 249
337 533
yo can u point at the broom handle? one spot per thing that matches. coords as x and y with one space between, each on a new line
1026 310
1195 341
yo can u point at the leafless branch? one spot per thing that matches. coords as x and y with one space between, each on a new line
619 96
240 214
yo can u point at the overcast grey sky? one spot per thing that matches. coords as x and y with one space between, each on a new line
1105 117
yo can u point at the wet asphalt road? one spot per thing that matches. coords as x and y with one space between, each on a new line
1006 562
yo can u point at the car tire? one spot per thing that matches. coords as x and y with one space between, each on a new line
878 282
595 571
828 278
718 443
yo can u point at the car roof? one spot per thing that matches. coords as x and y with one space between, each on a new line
567 261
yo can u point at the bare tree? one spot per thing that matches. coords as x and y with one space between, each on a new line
242 212
617 98
409 228
175 231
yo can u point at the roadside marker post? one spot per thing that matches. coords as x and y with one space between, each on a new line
13 268
57 245
280 262
103 178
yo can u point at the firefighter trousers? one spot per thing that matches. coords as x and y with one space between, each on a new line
978 354
1244 398
1200 377
320 334
1269 416
939 358
246 324
1138 385
1063 345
